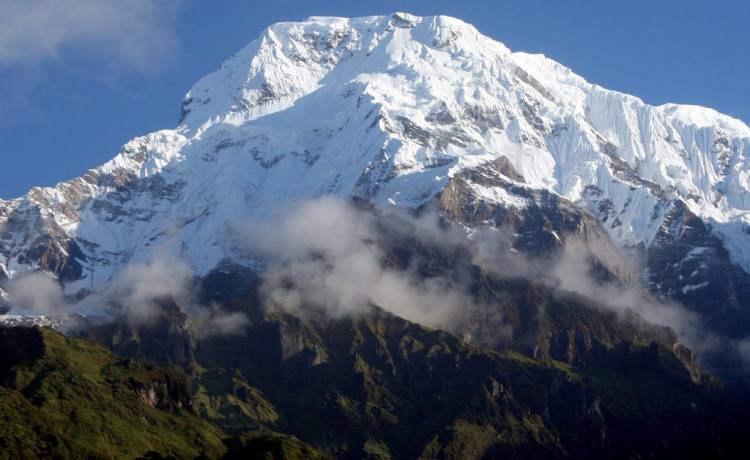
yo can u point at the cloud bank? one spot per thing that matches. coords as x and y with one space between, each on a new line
323 256
141 291
141 287
326 257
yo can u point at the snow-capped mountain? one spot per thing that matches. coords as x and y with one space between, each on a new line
389 109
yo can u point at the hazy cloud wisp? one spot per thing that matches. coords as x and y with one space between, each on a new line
37 292
134 32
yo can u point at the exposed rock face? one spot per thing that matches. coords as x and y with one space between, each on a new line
688 263
169 394
165 339
395 388
493 195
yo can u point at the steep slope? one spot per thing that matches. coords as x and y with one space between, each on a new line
346 389
395 110
377 386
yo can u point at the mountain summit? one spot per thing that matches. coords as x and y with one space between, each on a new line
390 109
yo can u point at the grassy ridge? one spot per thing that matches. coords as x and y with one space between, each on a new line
74 399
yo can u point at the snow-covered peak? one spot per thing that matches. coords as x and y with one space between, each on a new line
387 109
292 59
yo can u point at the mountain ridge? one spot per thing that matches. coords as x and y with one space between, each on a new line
390 109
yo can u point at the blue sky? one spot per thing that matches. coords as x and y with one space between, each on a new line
78 78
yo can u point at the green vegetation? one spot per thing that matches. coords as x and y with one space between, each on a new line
377 386
373 386
69 398
227 401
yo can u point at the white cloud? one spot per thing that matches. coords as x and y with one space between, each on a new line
323 255
141 286
36 293
134 32
213 320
